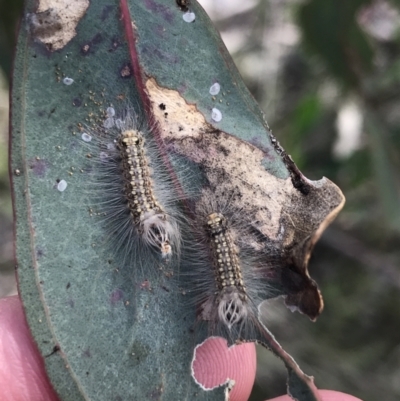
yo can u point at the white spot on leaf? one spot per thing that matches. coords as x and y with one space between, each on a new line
215 88
68 81
189 17
216 115
119 123
110 112
62 185
86 137
108 122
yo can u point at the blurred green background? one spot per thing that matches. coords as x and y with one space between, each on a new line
327 75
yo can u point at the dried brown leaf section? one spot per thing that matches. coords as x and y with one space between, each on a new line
55 21
281 214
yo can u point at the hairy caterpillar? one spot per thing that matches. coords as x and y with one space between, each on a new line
151 221
133 193
231 295
226 265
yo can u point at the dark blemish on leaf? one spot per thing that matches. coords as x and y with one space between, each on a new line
86 353
41 113
116 296
97 39
156 394
145 285
39 167
89 47
164 288
39 253
56 348
298 180
51 112
44 24
162 106
106 12
114 44
159 9
77 102
138 352
161 55
165 115
68 285
45 51
183 4
160 31
126 70
224 150
85 49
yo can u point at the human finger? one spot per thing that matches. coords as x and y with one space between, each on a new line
22 372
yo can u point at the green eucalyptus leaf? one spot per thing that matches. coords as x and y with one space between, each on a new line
106 332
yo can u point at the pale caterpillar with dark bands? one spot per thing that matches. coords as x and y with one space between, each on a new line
225 267
231 295
151 221
132 192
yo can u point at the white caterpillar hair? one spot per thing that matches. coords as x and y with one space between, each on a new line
133 191
224 266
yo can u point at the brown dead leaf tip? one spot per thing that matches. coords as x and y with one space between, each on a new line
300 291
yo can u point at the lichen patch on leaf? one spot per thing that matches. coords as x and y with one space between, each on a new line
182 119
55 21
229 162
286 219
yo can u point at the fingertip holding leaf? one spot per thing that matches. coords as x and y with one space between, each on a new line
326 395
22 371
215 364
